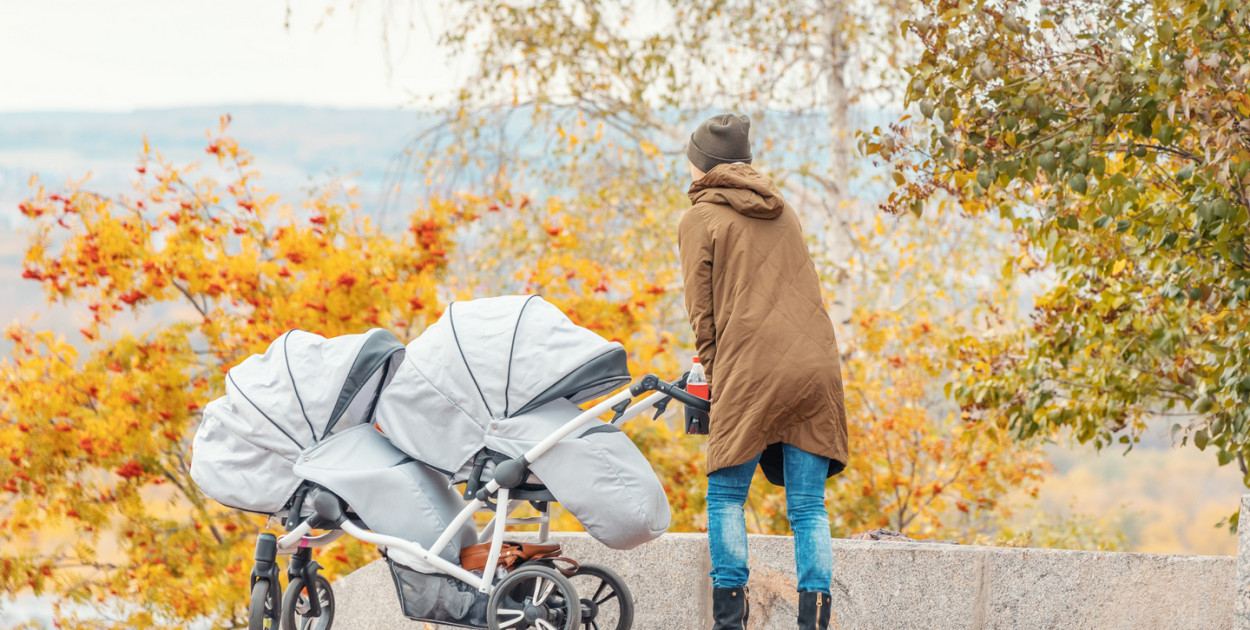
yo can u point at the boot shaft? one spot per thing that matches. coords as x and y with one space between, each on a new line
730 608
814 610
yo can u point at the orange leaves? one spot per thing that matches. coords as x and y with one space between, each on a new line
130 297
346 280
129 470
427 232
105 435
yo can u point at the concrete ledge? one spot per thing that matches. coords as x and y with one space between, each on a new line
1242 586
884 585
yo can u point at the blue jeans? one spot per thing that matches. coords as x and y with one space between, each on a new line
805 508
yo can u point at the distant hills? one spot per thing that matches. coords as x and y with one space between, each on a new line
294 146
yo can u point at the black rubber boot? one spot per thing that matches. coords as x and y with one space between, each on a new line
813 611
730 608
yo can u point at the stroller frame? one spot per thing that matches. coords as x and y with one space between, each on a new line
495 496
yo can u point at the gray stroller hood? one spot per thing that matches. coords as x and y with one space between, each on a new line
277 404
485 361
503 373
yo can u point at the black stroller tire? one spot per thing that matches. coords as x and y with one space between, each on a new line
292 607
604 597
534 590
264 605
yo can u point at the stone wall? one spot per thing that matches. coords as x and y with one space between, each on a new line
891 585
1241 593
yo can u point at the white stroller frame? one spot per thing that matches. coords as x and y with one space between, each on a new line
299 537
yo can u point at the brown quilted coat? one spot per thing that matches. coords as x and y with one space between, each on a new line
761 328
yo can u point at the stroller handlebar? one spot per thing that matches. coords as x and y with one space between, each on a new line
652 382
647 383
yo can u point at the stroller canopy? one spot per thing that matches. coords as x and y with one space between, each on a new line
484 362
277 404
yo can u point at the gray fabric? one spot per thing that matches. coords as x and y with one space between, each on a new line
601 375
293 387
599 476
391 493
277 404
456 390
372 362
235 472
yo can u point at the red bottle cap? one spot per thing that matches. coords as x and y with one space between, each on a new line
696 359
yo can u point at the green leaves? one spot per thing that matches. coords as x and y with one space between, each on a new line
926 108
1047 162
1201 439
1166 32
1203 405
984 178
1124 171
1077 183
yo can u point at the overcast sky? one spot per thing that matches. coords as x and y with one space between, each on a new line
121 55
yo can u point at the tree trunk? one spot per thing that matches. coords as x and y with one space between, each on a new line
837 203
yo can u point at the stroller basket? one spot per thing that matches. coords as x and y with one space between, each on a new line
438 598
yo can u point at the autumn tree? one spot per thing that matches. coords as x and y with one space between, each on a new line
1115 136
97 504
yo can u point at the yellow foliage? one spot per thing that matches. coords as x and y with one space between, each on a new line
95 429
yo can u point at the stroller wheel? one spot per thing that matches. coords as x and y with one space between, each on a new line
262 611
607 603
534 596
295 605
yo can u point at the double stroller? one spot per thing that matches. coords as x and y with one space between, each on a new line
361 436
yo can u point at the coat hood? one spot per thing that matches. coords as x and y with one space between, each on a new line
740 187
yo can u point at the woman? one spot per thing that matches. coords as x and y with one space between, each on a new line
768 348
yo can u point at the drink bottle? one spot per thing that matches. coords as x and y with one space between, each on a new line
696 383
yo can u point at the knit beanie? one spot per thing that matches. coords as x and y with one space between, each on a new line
722 139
